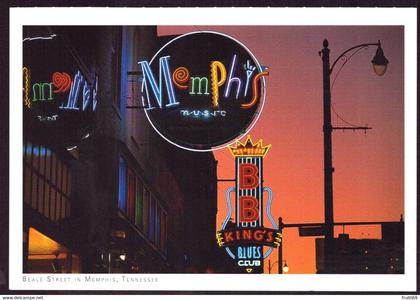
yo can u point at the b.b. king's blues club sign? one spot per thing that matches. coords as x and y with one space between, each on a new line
245 237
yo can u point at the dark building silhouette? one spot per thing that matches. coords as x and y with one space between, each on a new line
393 238
196 174
102 191
370 256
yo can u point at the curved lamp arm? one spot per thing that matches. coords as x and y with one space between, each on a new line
348 50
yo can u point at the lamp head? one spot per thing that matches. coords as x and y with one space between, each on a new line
379 62
285 268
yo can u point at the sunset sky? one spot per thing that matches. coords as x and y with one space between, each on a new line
369 168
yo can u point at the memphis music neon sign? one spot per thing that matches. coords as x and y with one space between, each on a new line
202 90
244 238
219 83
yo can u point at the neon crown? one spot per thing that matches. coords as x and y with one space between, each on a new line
249 148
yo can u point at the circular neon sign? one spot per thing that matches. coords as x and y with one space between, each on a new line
202 90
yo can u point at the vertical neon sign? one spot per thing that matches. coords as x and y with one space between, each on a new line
244 239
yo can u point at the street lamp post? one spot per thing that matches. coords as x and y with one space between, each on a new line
328 169
282 267
280 248
379 63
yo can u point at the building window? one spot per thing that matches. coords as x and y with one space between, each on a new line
158 226
141 207
152 220
131 195
163 235
139 203
46 182
146 202
122 186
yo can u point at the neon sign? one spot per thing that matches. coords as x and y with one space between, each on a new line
48 118
50 37
245 238
199 85
62 81
26 77
76 88
203 113
202 90
56 93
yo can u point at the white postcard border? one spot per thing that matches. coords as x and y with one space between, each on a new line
213 16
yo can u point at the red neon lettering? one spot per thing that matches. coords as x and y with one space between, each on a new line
248 176
248 209
269 237
254 90
62 81
246 234
259 235
229 236
181 76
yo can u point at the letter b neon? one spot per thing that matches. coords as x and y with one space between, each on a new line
248 176
248 209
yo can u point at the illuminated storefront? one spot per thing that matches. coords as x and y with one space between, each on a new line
47 203
141 220
47 256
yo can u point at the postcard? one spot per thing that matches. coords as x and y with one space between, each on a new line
212 149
